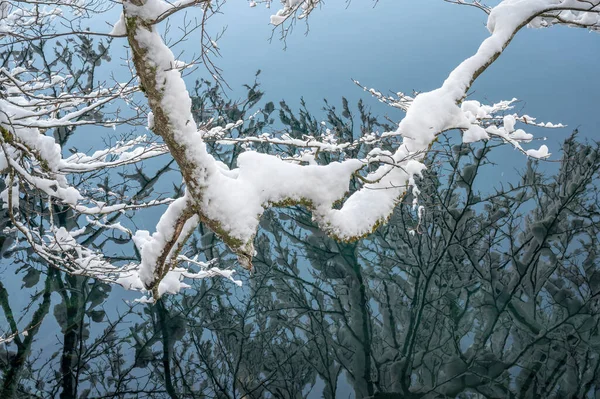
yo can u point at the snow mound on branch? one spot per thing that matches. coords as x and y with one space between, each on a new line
264 179
119 28
152 247
539 154
290 7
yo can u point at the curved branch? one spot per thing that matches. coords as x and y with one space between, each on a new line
230 202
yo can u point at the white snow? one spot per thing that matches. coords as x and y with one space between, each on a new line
539 154
119 28
152 246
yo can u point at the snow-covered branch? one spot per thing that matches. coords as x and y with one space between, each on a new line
232 201
348 197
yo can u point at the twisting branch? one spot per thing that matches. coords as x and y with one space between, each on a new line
348 197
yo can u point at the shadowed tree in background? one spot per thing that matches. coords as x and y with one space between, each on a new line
480 292
474 291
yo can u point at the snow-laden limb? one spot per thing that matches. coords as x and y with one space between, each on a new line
400 100
577 16
326 142
101 208
41 112
159 251
35 102
539 154
292 7
59 249
16 18
173 281
432 113
121 154
231 202
154 11
52 208
27 110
